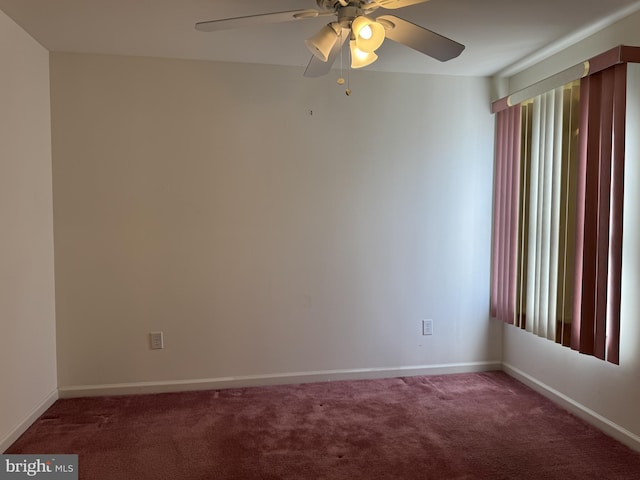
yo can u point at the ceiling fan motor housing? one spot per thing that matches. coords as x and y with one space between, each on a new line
346 15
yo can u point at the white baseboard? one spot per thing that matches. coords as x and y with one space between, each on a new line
602 423
28 421
273 379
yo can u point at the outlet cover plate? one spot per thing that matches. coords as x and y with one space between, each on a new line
157 340
427 327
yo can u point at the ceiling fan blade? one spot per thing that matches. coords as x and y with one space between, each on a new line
420 39
392 4
318 68
262 19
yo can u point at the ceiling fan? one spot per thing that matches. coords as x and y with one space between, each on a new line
353 20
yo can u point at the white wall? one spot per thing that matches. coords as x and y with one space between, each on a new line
267 223
27 318
608 394
624 32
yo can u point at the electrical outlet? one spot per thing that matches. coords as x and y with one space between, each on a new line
157 340
427 327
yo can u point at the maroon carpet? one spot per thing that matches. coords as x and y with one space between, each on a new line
469 426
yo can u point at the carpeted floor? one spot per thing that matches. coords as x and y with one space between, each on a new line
468 426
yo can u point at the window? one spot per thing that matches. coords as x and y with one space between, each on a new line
558 199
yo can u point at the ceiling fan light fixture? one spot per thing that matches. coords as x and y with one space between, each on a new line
368 33
322 42
360 58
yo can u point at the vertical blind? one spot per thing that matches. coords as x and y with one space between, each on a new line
542 245
547 212
557 232
596 330
505 225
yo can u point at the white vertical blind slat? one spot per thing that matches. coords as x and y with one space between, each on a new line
544 215
532 279
556 189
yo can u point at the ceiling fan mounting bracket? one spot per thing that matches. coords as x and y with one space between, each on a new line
364 6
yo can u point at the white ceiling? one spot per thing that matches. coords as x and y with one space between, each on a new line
497 33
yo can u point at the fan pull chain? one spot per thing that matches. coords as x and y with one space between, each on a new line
348 90
341 77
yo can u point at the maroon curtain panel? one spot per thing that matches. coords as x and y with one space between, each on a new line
505 214
596 310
